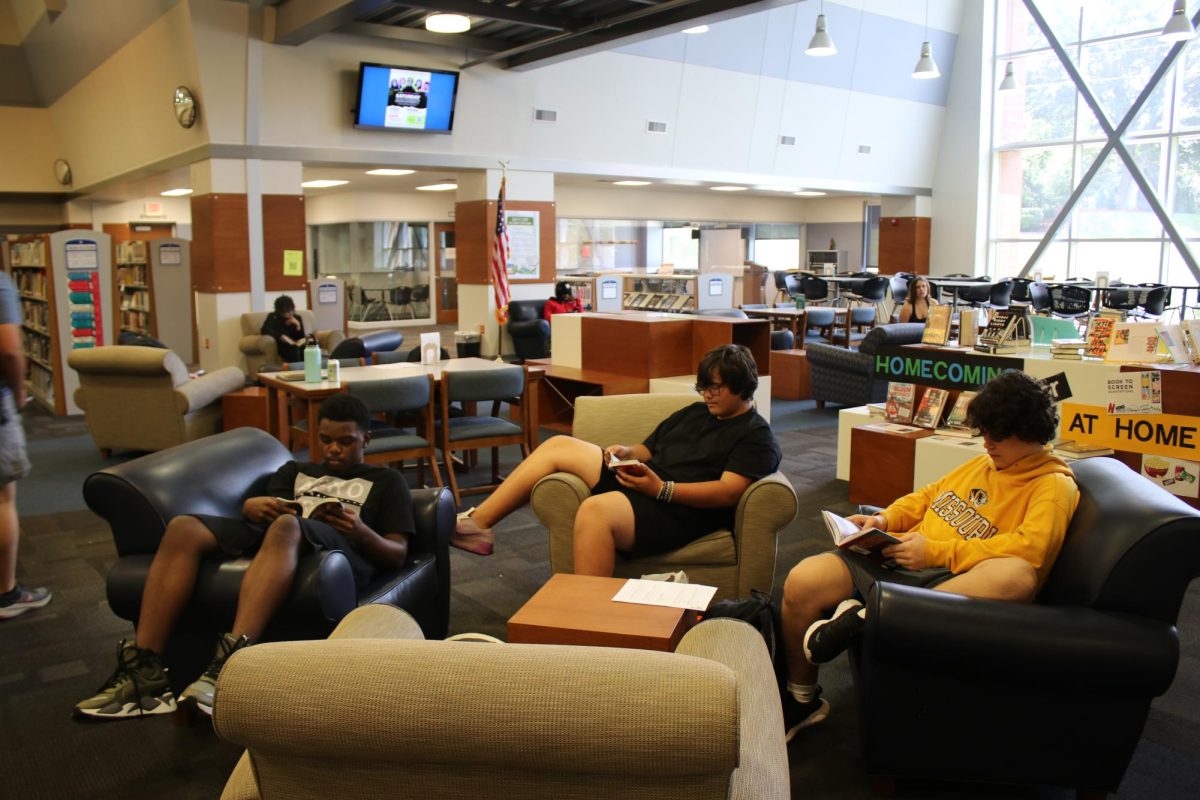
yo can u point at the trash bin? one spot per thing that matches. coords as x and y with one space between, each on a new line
467 343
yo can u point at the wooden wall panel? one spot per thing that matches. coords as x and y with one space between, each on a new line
220 243
904 245
475 227
283 229
711 332
637 347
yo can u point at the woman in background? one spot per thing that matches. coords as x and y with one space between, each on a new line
916 305
563 302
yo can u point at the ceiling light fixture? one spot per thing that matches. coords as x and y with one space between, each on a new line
631 183
821 43
390 171
926 69
322 184
1179 27
777 188
728 188
176 192
809 193
697 29
447 23
438 187
1010 82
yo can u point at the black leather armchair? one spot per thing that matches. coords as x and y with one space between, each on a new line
841 375
215 475
529 331
1055 693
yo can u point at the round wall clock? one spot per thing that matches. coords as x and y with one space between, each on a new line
186 107
62 171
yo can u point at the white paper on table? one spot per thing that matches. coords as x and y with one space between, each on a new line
663 593
431 348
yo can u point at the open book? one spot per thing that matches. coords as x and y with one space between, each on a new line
307 505
848 536
630 465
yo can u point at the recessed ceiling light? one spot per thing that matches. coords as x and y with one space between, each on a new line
810 193
631 183
438 187
697 29
728 188
389 171
447 23
322 184
176 192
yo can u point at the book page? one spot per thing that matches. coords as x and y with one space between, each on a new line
840 528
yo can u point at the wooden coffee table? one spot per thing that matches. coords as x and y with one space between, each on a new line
578 609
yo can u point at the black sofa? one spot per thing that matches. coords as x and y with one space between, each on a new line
529 331
215 475
1054 693
841 375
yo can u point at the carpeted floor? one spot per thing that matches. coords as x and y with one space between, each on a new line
52 658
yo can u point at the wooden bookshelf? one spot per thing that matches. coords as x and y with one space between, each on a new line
33 278
134 288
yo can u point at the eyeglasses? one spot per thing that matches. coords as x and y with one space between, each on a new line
709 388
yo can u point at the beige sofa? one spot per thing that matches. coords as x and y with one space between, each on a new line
260 349
140 398
376 712
734 561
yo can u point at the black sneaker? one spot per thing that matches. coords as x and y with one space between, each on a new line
200 692
138 688
826 639
797 716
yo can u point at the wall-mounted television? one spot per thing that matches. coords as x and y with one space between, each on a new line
397 98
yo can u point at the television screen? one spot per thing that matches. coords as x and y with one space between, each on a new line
405 98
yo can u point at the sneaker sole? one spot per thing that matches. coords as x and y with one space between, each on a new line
17 609
837 612
812 719
192 704
128 711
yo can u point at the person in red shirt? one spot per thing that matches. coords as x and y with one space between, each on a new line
563 301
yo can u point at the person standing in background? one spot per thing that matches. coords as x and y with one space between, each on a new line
15 599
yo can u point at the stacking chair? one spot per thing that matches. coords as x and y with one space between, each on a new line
401 298
1120 297
1039 297
872 291
987 295
899 286
822 320
476 432
389 444
420 294
952 292
1020 292
815 290
392 356
781 285
794 288
1070 302
297 409
1152 303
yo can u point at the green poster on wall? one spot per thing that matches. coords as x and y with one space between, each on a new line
293 262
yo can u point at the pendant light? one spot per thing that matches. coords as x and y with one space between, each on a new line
447 23
926 69
1010 82
821 43
1179 27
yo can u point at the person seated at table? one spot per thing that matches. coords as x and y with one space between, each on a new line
691 473
370 522
286 328
916 305
563 302
990 528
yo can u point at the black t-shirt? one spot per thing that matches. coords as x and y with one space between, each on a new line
378 494
692 445
276 328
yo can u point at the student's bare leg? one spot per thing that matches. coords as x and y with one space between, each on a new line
557 454
813 587
10 529
1012 579
269 577
171 579
604 524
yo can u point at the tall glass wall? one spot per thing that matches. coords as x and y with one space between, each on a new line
599 245
386 267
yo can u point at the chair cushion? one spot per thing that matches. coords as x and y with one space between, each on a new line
716 549
480 427
891 336
394 439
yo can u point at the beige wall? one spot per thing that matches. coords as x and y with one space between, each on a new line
322 209
27 156
17 214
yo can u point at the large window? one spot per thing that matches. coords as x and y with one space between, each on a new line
385 266
1045 140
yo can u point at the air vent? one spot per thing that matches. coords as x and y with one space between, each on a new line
865 149
655 127
545 115
787 140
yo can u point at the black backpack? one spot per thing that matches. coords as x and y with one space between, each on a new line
760 611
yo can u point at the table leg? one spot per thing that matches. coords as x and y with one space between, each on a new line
277 414
313 407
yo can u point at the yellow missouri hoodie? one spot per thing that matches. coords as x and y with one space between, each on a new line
978 512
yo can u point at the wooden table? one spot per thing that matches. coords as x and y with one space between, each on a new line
310 395
245 408
797 320
579 609
791 378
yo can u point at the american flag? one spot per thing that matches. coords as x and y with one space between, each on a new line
500 261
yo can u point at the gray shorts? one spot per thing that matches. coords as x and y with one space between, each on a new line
866 572
14 463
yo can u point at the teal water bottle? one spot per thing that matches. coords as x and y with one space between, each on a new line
312 363
799 301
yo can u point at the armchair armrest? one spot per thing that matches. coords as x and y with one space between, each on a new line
1074 647
765 508
377 621
555 500
256 344
201 392
834 357
529 327
327 340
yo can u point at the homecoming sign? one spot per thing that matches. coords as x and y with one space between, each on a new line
948 369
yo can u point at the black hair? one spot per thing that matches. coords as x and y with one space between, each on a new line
284 304
1014 404
735 364
345 408
562 290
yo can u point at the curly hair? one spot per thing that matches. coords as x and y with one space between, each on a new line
735 364
346 408
1014 404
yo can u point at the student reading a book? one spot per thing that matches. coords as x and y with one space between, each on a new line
990 528
286 328
371 525
691 473
916 305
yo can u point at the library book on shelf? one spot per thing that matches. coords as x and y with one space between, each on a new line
929 410
899 404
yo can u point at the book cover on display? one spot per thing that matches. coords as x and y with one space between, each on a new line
968 327
1191 338
937 326
956 420
929 411
1170 338
1099 333
899 404
1073 450
1133 341
1000 334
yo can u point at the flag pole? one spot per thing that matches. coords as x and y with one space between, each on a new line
500 210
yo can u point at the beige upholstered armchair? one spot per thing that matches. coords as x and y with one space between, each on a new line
259 349
140 398
734 561
376 712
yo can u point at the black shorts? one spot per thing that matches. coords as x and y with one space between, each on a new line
866 572
662 527
237 537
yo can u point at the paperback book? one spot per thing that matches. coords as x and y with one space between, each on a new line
968 327
956 420
1170 338
1133 341
899 405
937 326
848 536
1074 450
1099 333
307 505
929 411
